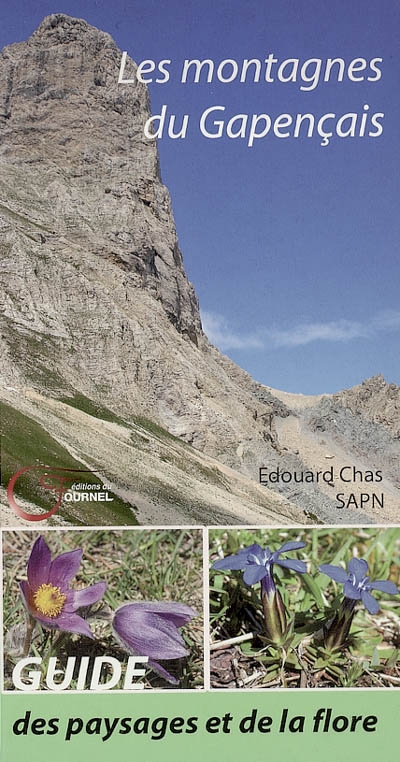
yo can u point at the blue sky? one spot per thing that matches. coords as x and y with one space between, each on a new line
292 246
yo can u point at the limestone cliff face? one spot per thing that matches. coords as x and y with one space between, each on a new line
96 296
77 166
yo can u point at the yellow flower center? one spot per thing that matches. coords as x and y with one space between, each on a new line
49 600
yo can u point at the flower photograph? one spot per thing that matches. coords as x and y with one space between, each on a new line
305 608
101 610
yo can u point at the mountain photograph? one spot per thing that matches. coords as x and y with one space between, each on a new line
108 379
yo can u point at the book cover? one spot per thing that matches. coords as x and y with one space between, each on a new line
199 379
275 132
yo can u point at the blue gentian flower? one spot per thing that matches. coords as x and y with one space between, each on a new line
258 563
357 584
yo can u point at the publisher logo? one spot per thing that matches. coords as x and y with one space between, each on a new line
56 484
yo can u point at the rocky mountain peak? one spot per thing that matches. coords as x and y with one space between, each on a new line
74 137
376 400
58 27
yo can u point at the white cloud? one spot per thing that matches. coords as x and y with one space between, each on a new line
305 333
219 332
389 320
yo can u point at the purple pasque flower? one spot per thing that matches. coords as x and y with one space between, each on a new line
47 595
258 563
357 584
151 629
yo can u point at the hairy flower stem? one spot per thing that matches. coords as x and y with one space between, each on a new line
274 614
337 631
30 626
55 643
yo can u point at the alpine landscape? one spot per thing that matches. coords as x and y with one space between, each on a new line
104 363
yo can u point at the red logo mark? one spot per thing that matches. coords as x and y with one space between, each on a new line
51 479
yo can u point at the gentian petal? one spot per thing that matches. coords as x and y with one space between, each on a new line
369 602
239 560
291 546
358 567
254 549
148 634
39 563
334 572
385 586
351 591
64 567
85 597
292 563
231 563
254 573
